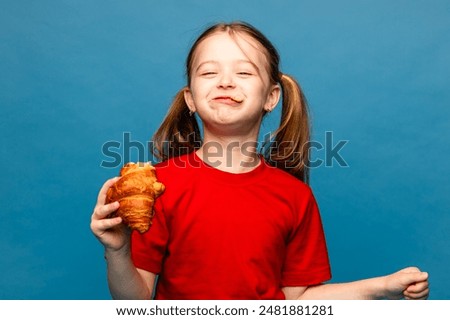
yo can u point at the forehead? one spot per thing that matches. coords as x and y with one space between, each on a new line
223 46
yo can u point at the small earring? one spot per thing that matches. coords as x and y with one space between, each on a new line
191 113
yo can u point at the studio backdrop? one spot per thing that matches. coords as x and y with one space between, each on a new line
85 84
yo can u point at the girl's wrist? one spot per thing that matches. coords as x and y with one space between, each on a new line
113 254
379 288
372 288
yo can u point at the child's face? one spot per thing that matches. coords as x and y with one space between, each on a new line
230 84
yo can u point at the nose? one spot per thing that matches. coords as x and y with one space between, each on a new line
226 80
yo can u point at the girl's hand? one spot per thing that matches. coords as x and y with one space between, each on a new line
408 283
109 231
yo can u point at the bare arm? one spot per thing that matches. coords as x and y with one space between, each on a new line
124 279
409 283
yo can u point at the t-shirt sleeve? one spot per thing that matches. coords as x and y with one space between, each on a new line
148 249
306 260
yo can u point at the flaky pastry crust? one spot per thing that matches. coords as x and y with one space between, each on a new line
136 192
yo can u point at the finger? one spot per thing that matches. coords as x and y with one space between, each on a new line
410 278
102 193
100 226
416 296
102 211
417 287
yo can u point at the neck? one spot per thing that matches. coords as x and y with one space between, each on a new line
235 154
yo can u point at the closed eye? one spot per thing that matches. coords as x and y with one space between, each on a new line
245 73
208 73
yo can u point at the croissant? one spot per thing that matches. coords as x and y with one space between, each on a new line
136 192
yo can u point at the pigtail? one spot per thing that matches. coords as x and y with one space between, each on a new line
179 133
289 145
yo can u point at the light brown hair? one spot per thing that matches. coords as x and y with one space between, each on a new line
288 148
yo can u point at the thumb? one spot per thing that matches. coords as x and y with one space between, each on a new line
410 269
408 278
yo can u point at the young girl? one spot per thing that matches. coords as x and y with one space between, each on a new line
233 224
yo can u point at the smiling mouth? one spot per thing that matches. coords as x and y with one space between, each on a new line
236 98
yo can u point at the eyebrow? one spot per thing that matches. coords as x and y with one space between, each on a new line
239 61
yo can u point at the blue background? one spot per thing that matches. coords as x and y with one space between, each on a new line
75 75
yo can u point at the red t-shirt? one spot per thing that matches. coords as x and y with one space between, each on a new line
219 235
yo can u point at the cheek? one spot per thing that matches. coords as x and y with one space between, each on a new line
199 87
258 90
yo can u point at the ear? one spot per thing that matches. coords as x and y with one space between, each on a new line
189 99
273 98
